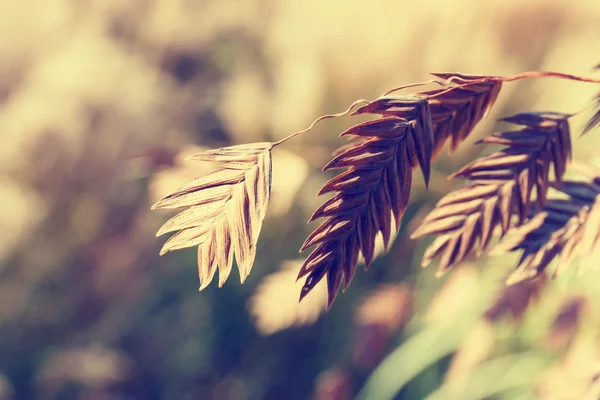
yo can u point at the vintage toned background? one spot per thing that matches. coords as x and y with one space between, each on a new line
100 101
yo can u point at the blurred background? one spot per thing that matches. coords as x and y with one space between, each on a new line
100 101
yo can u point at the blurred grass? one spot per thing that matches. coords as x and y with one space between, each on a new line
98 98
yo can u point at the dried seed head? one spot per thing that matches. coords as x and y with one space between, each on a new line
374 188
226 211
456 112
501 187
566 228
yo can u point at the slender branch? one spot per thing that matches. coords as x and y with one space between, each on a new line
523 75
441 83
546 74
582 110
470 83
285 139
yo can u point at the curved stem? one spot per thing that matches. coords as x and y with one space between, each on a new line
456 87
441 83
285 139
483 79
582 110
546 74
523 75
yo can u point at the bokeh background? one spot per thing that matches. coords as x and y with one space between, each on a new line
100 101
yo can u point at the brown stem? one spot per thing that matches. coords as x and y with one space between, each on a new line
441 83
546 74
523 75
285 139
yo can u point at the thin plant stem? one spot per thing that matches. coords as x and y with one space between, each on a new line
523 75
582 110
547 74
441 83
285 139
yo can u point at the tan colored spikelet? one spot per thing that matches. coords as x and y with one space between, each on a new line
226 210
374 188
456 112
564 229
501 187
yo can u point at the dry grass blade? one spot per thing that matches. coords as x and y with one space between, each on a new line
456 112
226 211
501 187
566 228
375 187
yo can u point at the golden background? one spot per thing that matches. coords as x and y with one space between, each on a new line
100 100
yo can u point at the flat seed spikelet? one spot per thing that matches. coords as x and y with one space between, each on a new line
374 188
563 228
456 112
226 210
501 186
